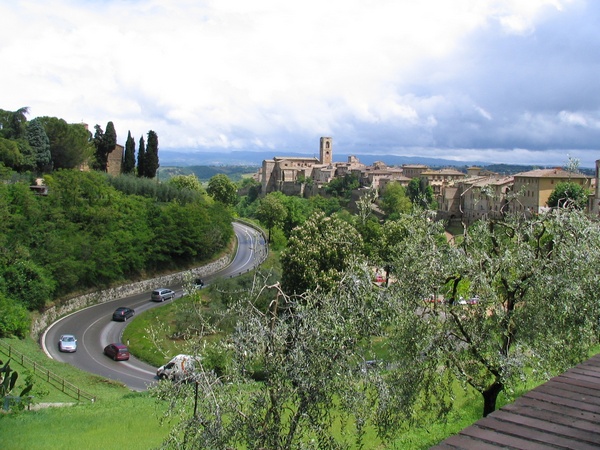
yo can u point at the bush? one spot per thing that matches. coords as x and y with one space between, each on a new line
14 319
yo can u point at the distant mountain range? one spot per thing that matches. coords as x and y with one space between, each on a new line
244 158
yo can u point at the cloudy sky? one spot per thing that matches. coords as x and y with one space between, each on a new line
509 81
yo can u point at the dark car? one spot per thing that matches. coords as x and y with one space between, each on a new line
67 343
117 351
162 294
123 313
198 283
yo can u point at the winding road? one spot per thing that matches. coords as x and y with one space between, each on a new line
95 329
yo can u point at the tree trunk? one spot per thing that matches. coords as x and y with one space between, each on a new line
490 395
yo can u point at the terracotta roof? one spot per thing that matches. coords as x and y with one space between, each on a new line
550 173
561 413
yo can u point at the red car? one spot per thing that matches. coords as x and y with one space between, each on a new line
118 352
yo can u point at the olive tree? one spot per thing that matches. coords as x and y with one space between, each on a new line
318 253
533 312
307 354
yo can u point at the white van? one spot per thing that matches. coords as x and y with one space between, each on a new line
181 367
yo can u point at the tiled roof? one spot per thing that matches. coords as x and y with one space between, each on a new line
550 173
562 413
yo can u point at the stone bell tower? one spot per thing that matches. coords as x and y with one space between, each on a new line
325 150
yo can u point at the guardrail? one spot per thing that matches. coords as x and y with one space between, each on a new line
58 382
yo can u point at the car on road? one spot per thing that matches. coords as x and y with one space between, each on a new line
198 283
123 313
162 294
117 351
67 343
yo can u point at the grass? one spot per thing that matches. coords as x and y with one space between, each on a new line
108 423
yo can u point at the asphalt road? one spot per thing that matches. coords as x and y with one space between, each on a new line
95 329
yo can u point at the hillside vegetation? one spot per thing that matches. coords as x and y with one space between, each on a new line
85 234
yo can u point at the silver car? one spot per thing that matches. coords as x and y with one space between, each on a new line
162 294
67 343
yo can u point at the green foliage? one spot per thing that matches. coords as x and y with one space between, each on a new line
129 156
342 187
141 158
8 382
14 319
189 182
568 194
222 189
537 308
28 284
40 145
10 155
271 211
86 233
318 253
151 156
394 200
420 193
70 144
304 399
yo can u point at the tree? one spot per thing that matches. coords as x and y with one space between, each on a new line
70 144
343 186
271 211
10 155
308 356
568 194
104 142
394 201
151 163
318 253
534 310
39 143
222 189
141 159
12 123
129 157
190 182
420 193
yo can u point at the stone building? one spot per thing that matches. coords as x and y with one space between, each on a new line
115 160
533 188
304 176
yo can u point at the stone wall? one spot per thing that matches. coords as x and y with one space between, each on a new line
56 312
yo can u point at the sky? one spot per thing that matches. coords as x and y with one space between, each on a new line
503 81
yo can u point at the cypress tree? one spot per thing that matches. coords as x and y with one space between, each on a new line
151 163
141 171
129 157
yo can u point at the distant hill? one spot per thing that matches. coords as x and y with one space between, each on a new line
250 161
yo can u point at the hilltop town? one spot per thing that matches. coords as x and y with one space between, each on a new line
460 196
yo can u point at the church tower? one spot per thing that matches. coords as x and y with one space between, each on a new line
325 150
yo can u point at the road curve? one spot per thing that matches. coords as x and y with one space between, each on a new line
94 328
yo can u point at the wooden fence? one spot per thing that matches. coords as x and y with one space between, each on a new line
58 382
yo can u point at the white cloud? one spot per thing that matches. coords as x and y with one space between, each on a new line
271 74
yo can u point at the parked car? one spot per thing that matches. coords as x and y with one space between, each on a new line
180 368
123 313
117 351
67 343
162 294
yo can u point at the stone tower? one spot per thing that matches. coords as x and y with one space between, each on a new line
325 150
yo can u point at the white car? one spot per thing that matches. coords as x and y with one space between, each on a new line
67 343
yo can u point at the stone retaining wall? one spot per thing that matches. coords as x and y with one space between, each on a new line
56 312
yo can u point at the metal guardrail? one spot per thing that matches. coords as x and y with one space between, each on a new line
58 382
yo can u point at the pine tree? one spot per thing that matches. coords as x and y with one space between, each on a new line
141 160
129 157
151 162
39 143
